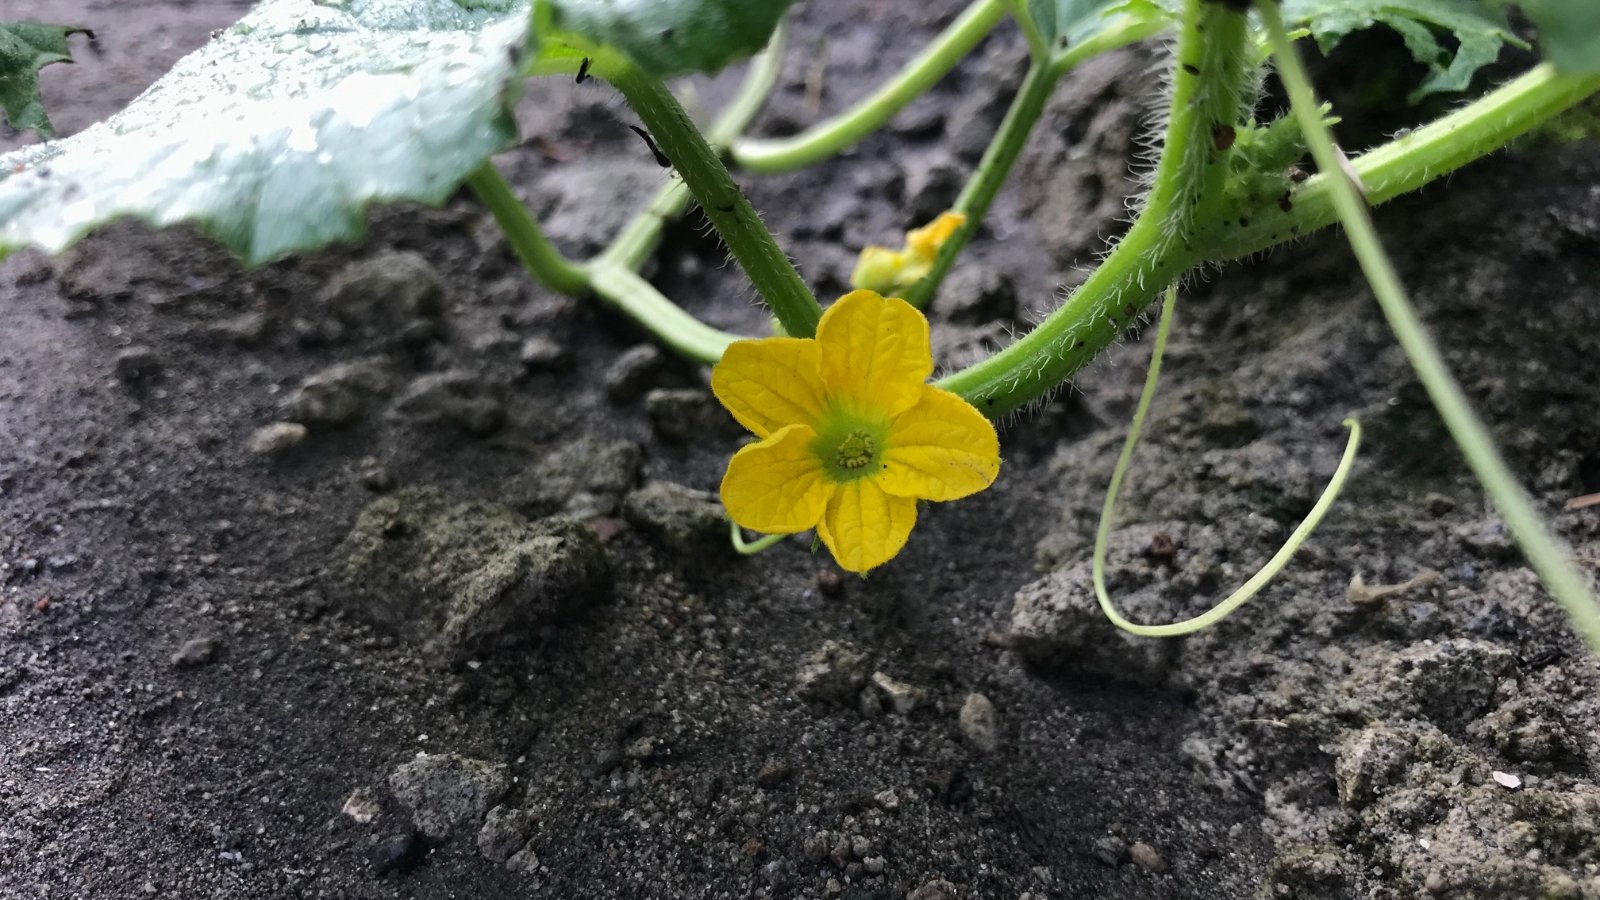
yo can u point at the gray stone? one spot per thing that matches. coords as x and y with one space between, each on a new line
902 696
683 415
505 831
338 395
1111 850
1146 857
1056 624
136 363
682 519
277 437
465 578
938 889
632 372
456 397
833 673
447 793
523 861
195 652
541 354
386 293
978 723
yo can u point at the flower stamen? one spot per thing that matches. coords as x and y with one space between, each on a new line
856 450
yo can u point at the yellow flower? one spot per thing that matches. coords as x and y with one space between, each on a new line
851 434
890 272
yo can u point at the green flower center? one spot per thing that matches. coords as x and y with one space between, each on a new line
856 450
850 444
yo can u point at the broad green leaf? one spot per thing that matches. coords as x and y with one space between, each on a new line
1479 30
669 37
276 135
25 48
1569 33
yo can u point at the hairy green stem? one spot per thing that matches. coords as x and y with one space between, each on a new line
639 300
830 137
639 238
1409 162
1543 550
1211 70
723 203
540 256
1264 576
1026 108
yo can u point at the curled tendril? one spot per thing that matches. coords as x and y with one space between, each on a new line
1261 578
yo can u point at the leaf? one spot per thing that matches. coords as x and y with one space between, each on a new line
276 135
1067 23
25 48
1479 30
1569 33
669 37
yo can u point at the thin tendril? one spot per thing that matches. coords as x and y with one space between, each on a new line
1102 538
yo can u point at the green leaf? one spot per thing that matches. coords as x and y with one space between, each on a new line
1569 33
668 37
25 48
276 135
1067 23
1479 30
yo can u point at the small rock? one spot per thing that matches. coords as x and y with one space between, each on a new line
446 792
776 874
541 354
938 889
685 520
874 865
830 583
903 697
753 847
643 748
682 415
277 437
1056 623
887 800
1145 857
137 363
244 330
456 397
523 861
337 395
584 479
505 830
978 723
833 673
1111 850
632 372
399 853
362 806
195 652
386 293
1506 780
774 773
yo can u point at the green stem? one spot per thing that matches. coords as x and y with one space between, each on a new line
639 238
540 256
830 137
1263 577
720 199
751 548
1543 550
987 179
1409 162
1211 73
638 299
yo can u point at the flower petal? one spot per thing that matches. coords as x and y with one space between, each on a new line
875 351
925 242
940 449
770 383
776 485
864 527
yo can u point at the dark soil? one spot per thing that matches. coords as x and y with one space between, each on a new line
475 630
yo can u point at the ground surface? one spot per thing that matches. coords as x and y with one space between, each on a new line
218 666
